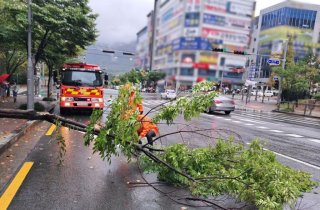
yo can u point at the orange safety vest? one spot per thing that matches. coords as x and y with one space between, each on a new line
146 126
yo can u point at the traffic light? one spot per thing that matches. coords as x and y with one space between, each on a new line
276 84
239 52
218 49
108 51
127 53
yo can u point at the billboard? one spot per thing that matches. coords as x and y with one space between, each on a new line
208 57
281 32
192 43
240 9
230 22
192 19
215 5
191 32
214 19
188 58
227 36
193 5
271 40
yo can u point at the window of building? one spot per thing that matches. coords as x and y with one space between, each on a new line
289 16
186 71
206 72
222 61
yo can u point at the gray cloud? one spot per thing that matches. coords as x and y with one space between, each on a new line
120 20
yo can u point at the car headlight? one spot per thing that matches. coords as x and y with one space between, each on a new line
97 100
67 99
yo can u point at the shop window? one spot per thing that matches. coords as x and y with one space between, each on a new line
186 71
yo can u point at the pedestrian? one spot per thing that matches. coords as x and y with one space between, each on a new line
2 91
15 90
8 89
147 128
233 93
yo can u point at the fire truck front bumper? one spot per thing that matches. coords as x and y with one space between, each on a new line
82 104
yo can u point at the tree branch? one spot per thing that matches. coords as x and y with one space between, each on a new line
155 158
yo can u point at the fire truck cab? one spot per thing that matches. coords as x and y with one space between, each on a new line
81 87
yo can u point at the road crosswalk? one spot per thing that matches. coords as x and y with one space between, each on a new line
280 117
252 117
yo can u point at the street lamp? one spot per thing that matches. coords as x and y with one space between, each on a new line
153 32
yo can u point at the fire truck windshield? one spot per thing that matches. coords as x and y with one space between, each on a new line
81 78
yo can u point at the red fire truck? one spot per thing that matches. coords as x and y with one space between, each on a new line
81 87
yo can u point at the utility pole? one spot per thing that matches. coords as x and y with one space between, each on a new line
283 67
30 74
259 73
153 32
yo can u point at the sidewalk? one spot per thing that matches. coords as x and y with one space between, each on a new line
12 129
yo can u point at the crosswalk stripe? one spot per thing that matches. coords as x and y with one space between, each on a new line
315 140
276 131
294 135
262 127
279 117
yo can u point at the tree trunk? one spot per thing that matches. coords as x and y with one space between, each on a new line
49 82
52 118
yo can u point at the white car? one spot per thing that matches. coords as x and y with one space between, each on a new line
267 93
169 94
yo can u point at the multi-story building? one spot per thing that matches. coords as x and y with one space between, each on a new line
142 49
299 20
185 33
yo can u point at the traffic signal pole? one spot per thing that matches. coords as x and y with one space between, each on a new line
30 73
280 78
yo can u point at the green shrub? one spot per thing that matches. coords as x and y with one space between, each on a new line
317 97
37 107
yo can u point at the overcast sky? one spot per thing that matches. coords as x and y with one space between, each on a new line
120 20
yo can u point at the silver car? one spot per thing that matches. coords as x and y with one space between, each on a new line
222 103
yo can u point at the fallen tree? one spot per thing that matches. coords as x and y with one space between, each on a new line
226 166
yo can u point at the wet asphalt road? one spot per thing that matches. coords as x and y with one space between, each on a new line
87 182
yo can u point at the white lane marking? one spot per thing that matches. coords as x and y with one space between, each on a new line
276 131
218 117
294 135
248 124
226 119
262 127
315 140
253 121
236 121
290 158
146 103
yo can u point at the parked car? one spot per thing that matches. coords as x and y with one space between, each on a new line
267 93
169 94
222 103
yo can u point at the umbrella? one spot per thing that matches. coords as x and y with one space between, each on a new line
3 77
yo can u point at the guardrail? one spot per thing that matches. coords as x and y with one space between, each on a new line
306 107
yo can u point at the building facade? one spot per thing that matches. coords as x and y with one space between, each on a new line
187 30
299 20
142 58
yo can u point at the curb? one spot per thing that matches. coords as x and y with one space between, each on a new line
301 115
16 135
